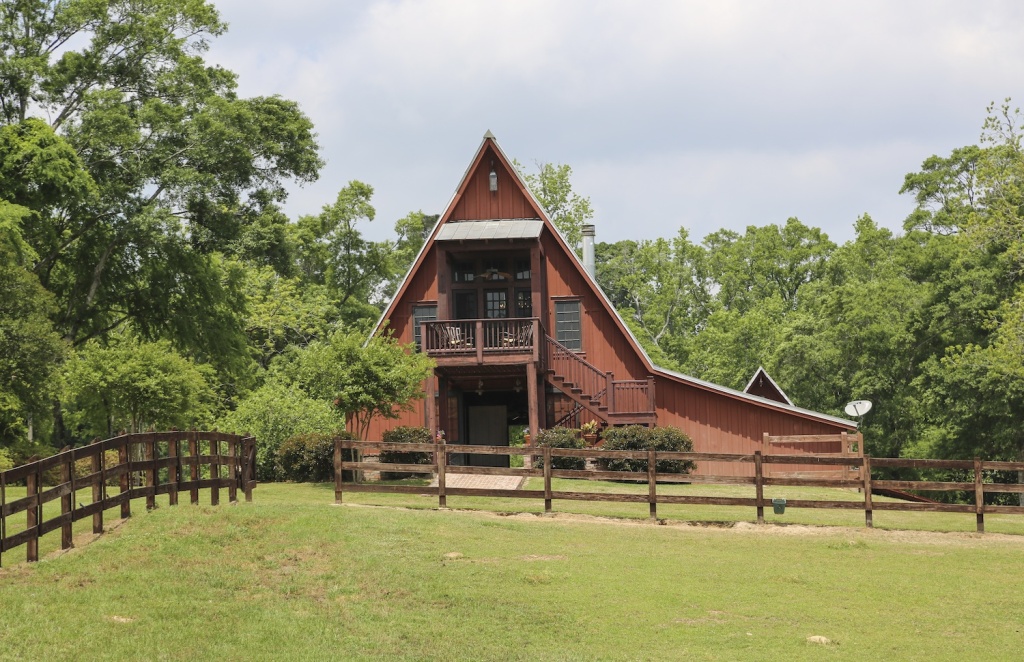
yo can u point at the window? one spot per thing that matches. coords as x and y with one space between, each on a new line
465 272
524 303
465 305
567 323
421 314
522 270
496 303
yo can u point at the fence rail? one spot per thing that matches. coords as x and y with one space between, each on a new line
650 474
148 464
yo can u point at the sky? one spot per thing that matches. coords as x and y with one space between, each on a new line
702 115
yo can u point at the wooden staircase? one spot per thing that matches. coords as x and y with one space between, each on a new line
613 402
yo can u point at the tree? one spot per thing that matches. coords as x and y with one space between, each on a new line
568 210
131 385
275 412
334 253
412 232
363 378
30 348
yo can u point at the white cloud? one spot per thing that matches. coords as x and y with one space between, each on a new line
719 112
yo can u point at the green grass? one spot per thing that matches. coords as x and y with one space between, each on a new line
292 577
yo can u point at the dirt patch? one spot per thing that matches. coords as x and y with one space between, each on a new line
543 557
746 528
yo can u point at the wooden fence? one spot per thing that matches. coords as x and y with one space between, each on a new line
761 478
147 464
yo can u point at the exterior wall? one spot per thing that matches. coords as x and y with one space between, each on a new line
604 344
718 423
478 203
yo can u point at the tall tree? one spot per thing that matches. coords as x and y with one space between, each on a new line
569 211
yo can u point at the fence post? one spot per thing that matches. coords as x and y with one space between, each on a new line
67 502
866 470
441 456
3 507
193 451
233 470
979 496
32 516
759 486
249 467
215 469
125 479
150 445
652 481
98 466
337 469
546 451
173 471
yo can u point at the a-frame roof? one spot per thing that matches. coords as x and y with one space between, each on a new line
761 383
490 155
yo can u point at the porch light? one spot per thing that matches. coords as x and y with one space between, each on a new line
493 179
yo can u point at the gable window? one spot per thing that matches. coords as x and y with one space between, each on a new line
421 314
567 323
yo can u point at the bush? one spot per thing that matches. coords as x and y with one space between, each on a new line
111 459
639 438
309 458
406 434
274 413
6 461
561 438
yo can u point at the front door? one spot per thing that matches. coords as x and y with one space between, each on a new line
488 426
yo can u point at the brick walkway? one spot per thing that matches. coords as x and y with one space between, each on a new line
481 482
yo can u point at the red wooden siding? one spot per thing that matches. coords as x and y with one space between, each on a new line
478 203
718 423
604 344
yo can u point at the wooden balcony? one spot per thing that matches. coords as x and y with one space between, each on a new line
481 342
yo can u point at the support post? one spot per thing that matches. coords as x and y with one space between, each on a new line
173 471
150 446
215 469
866 471
478 339
441 458
32 516
609 390
547 478
193 452
430 389
67 503
233 470
248 467
123 457
759 486
652 482
338 475
653 403
533 401
98 485
979 496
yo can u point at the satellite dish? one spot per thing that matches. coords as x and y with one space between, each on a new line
858 408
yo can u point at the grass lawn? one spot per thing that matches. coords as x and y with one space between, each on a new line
292 577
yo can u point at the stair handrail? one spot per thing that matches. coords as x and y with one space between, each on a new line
580 373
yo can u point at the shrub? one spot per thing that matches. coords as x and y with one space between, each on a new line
111 459
560 437
272 414
406 434
637 437
6 461
309 457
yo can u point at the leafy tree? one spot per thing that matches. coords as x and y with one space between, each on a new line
274 413
30 348
334 253
363 378
766 261
412 232
132 385
568 210
147 167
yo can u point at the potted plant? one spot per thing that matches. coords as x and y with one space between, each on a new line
589 431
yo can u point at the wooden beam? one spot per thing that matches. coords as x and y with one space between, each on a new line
532 387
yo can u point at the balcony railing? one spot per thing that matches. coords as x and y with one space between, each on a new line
480 337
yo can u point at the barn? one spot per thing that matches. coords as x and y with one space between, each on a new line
522 335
